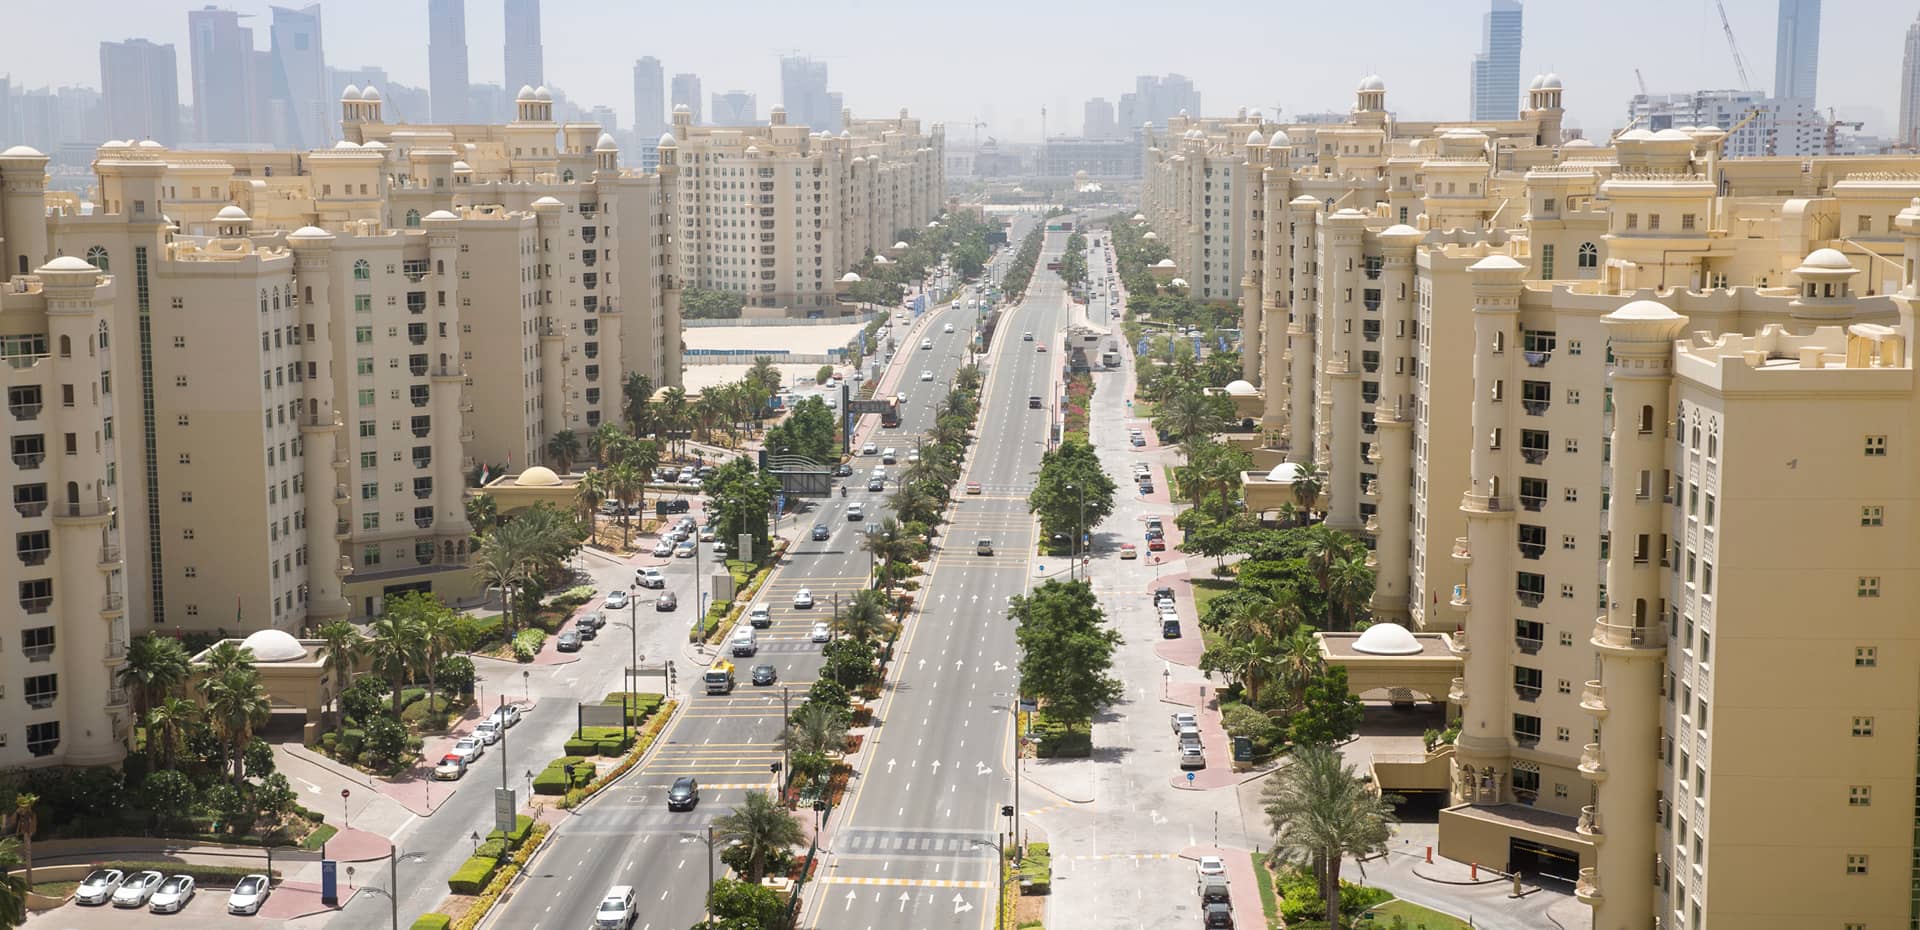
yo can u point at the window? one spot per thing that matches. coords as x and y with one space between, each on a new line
1633 221
362 271
1869 586
1686 221
43 738
1872 516
1863 726
1526 729
1653 221
1546 257
42 690
1866 656
1876 446
1856 864
1589 255
1860 796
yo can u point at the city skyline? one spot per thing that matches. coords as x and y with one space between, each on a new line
878 78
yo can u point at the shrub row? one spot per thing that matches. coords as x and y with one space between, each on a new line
553 778
432 922
647 734
1036 869
603 741
478 871
221 875
501 879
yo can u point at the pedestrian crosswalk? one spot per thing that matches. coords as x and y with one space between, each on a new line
924 843
903 882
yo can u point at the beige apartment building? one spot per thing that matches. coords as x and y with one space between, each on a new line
1542 378
779 212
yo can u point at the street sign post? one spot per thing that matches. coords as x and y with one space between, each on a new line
503 810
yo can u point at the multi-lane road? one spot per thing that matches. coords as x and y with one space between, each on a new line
729 742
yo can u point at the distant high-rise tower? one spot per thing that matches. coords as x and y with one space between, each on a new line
525 61
141 87
1495 87
735 108
1796 56
803 91
306 110
1099 122
649 98
447 59
223 76
686 93
1910 90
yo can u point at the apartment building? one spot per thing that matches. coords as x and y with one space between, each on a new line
778 212
1542 378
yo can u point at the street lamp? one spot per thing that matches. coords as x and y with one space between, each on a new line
999 878
708 839
393 878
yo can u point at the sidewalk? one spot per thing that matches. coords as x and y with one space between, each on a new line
1204 698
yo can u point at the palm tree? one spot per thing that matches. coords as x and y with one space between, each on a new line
236 704
13 888
226 656
637 394
501 560
440 636
1307 483
1327 547
623 482
157 666
344 647
394 644
1321 812
1187 414
166 723
762 826
25 824
1349 589
564 447
482 512
588 495
1297 664
1250 620
643 456
865 616
603 440
815 729
670 417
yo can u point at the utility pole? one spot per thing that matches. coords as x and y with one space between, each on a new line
393 880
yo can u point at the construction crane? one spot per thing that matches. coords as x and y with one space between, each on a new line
1739 64
1834 123
1643 83
977 125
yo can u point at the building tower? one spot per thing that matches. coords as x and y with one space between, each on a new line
1796 54
447 59
1339 429
686 93
1276 301
649 98
1631 637
1254 189
525 60
1544 110
1393 433
1910 90
1495 83
223 76
1304 214
448 378
141 88
300 79
323 465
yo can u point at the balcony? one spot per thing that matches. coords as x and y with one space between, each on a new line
417 337
1537 359
1533 456
422 461
425 523
589 233
1593 698
1460 601
1457 691
109 555
1528 693
448 373
1525 739
342 529
116 696
1534 504
1532 550
1587 889
423 493
36 605
420 432
116 650
37 653
1461 550
1627 637
1593 762
111 603
41 700
1535 408
417 369
30 509
29 459
1530 598
1528 645
420 398
24 411
1482 503
1589 824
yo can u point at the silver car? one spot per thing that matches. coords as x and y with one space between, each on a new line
249 894
138 887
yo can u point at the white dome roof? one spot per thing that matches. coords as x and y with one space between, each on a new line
547 202
371 93
1177 282
1636 135
525 92
778 108
351 93
1254 138
846 134
849 278
1165 262
68 263
1671 135
441 215
882 260
1372 82
114 144
1387 639
1284 472
461 165
24 151
1150 234
346 144
682 108
273 646
1139 216
151 145
667 139
1497 263
1550 81
1537 79
537 476
900 245
1644 310
231 212
1578 144
1240 388
374 144
1401 229
310 232
606 142
1279 138
542 93
1826 260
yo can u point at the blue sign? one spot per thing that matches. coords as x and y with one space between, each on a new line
920 305
780 502
329 883
1189 778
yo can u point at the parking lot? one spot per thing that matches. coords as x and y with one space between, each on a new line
207 909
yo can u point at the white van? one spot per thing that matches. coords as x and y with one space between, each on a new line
616 909
759 617
744 643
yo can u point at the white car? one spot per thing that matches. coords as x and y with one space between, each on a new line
649 578
663 549
138 887
870 449
900 396
1212 865
173 894
99 885
617 599
947 329
926 375
248 894
1184 719
684 551
719 550
468 748
926 343
803 599
507 714
488 731
821 632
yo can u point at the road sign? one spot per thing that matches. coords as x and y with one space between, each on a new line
780 502
503 810
1190 777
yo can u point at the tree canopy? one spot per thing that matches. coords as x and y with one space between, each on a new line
1067 650
808 431
1071 477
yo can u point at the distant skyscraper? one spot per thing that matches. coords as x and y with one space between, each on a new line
447 59
141 87
1796 56
224 73
803 91
525 60
686 92
1098 122
1155 99
399 103
1495 86
1910 90
735 108
300 80
649 98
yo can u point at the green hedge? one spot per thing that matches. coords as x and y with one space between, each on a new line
642 705
522 825
473 875
221 875
1036 869
432 922
553 778
1056 740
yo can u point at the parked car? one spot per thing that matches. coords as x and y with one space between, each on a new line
1212 865
172 895
617 599
506 714
765 675
821 632
649 578
137 889
665 602
568 641
685 550
684 794
1169 628
469 748
1156 545
1183 719
594 620
664 548
973 487
98 887
1163 591
1127 551
450 768
1217 916
1193 757
248 894
706 534
488 730
803 599
720 550
821 532
1146 487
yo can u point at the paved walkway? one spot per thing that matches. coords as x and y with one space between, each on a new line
1243 886
1204 698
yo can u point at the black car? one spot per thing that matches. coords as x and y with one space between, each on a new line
1161 592
876 484
592 621
586 632
684 794
666 601
843 470
765 675
820 531
704 472
569 641
1218 917
1169 629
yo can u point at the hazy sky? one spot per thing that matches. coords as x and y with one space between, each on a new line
1001 61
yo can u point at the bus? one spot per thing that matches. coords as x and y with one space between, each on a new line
890 417
719 678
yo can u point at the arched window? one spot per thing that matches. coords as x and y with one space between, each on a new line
263 300
413 217
103 334
567 176
66 347
1646 419
362 271
1589 255
276 298
97 257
